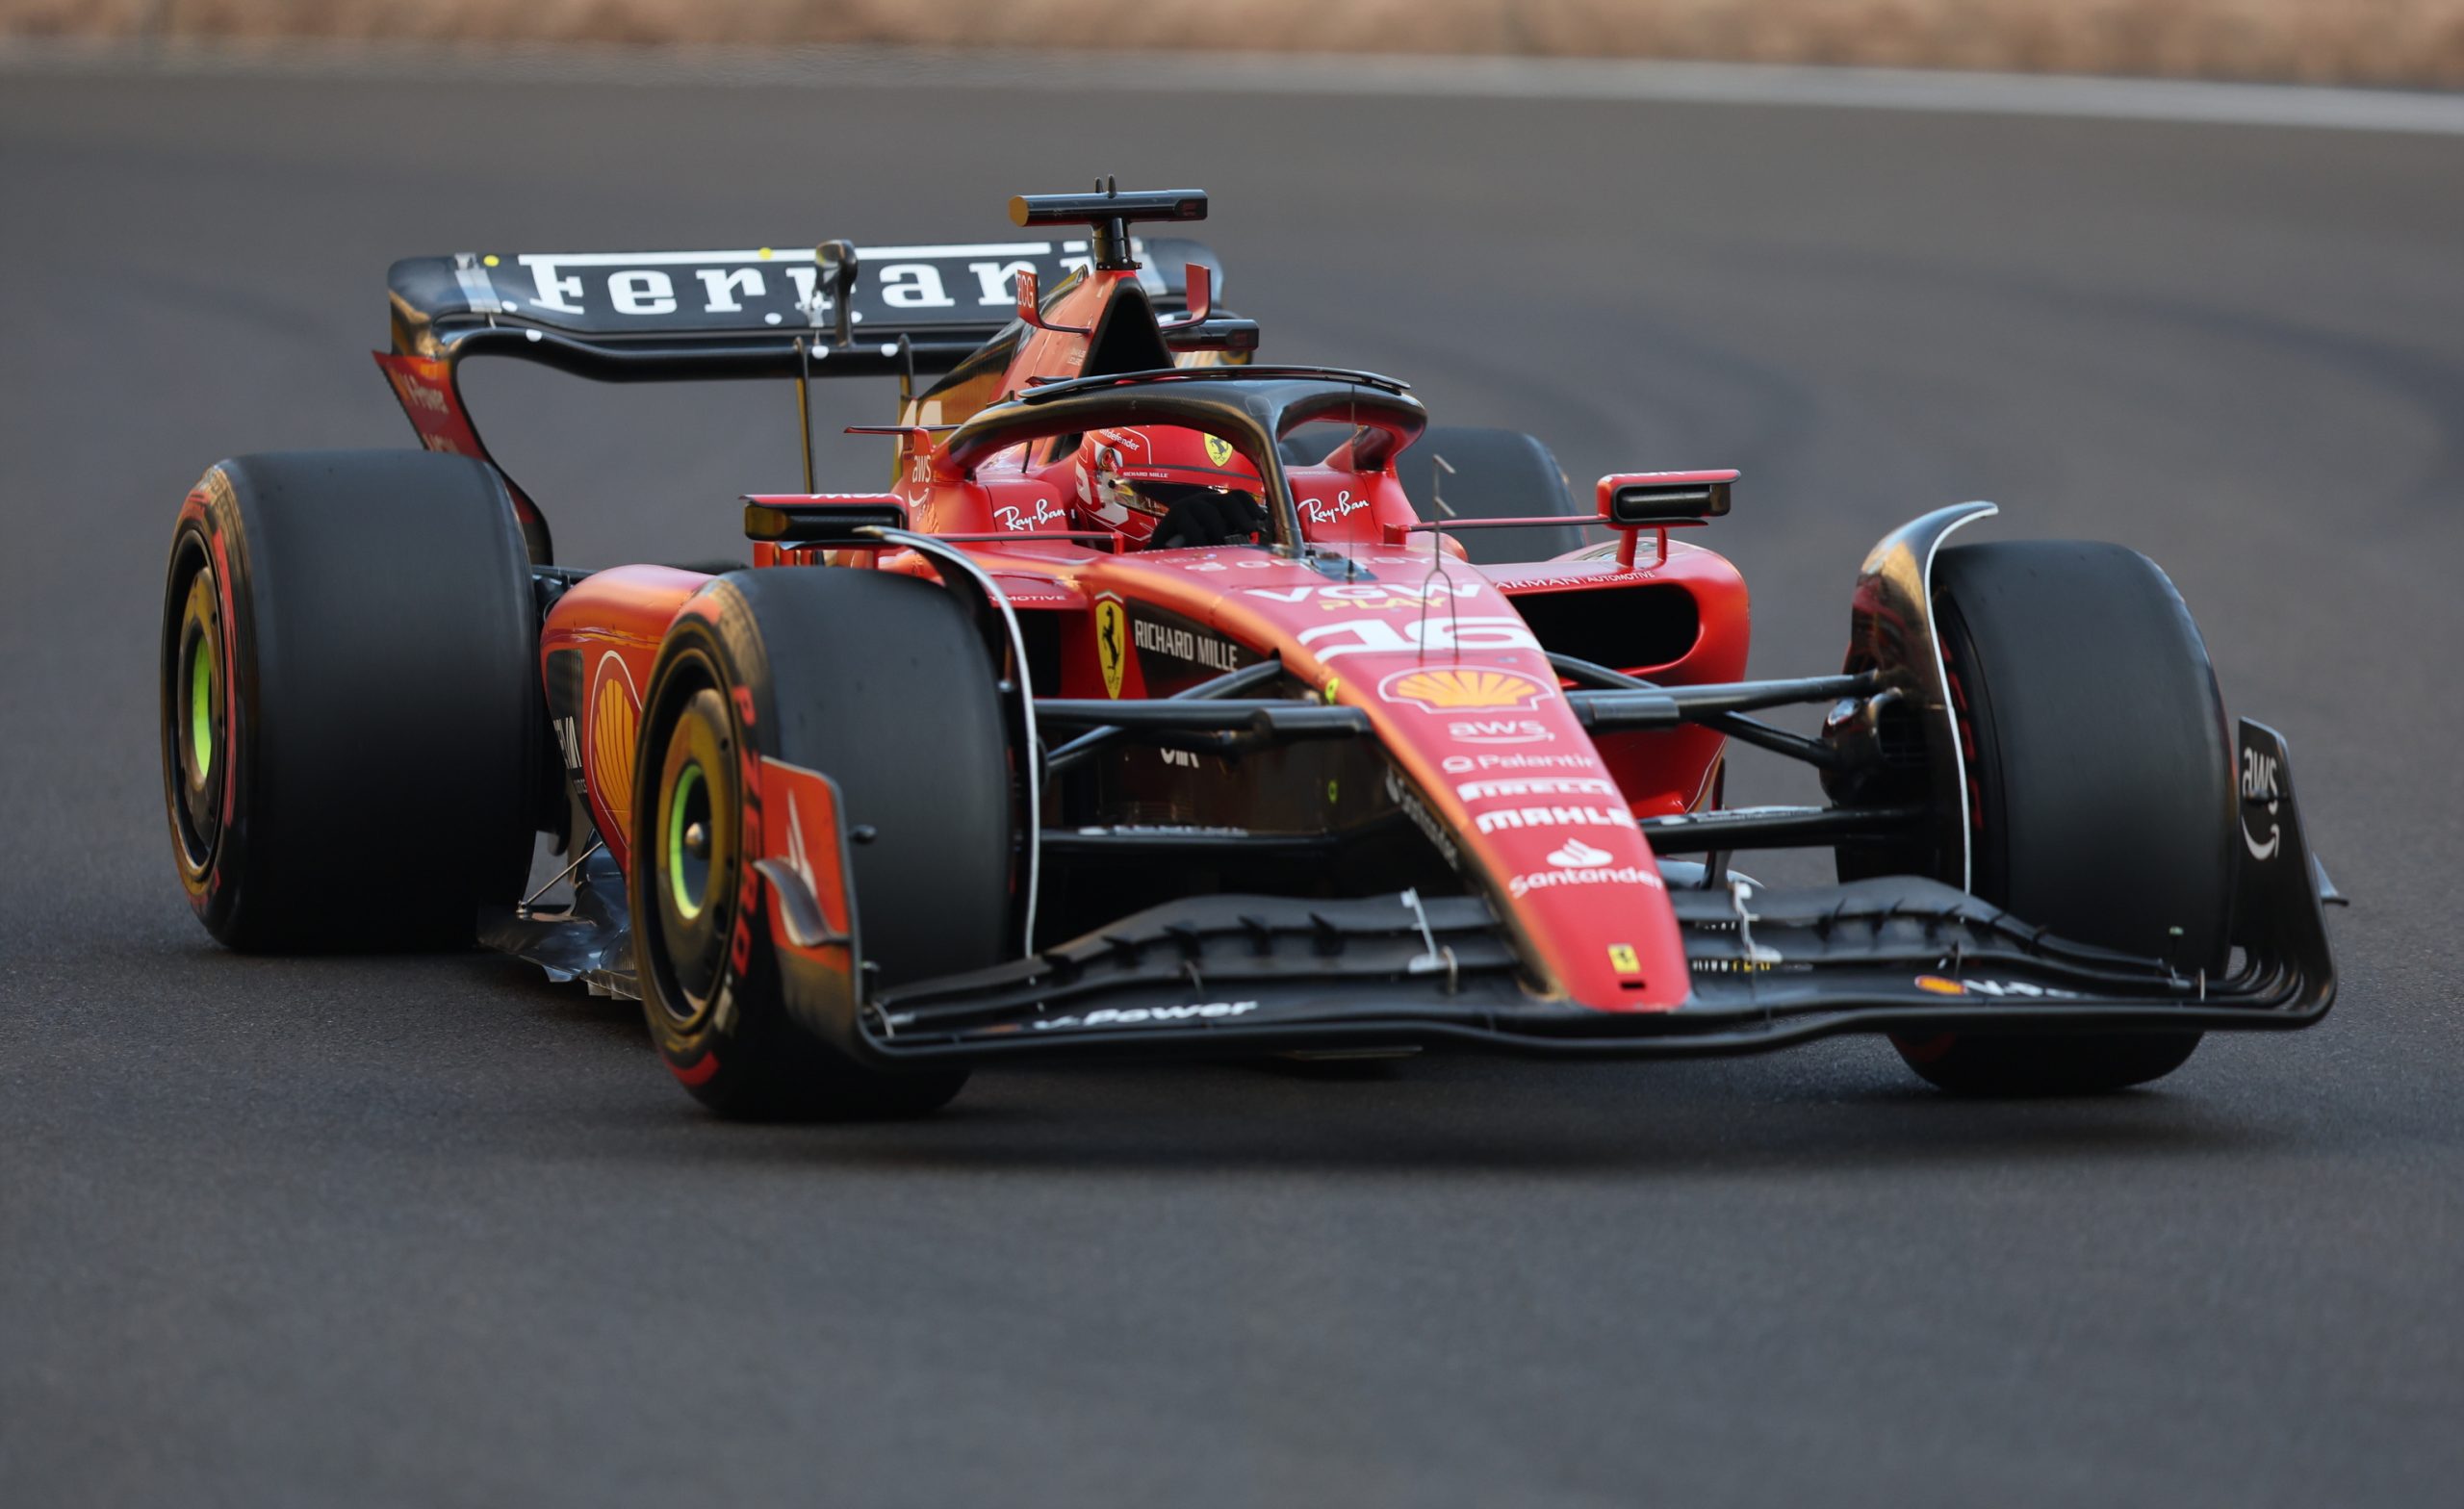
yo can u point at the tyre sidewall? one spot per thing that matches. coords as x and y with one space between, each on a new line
748 1055
2099 789
382 723
209 535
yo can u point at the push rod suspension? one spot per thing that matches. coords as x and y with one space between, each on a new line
1618 704
1232 683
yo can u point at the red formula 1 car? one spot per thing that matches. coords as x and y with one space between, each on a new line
1146 712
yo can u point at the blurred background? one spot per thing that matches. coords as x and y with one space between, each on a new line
2411 42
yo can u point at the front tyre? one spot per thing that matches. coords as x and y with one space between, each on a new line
880 682
2100 789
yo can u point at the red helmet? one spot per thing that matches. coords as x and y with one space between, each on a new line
1130 478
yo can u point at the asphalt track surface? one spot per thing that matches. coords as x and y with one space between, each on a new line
431 1231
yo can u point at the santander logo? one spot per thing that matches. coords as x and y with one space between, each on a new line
1580 855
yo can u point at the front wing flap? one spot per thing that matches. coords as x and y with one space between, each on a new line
1216 975
1228 974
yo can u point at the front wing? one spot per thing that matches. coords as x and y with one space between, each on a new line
1228 974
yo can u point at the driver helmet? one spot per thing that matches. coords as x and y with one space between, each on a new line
1130 478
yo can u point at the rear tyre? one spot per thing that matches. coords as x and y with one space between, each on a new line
351 720
2100 788
880 682
1499 474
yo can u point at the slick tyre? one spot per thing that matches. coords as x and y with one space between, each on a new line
1498 473
352 724
880 682
2100 788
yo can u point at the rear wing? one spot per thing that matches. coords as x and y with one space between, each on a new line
832 311
758 312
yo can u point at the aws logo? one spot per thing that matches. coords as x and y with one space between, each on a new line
1460 689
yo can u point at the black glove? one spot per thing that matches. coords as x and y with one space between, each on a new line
1207 516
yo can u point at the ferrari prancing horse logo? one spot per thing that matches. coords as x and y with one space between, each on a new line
1218 451
1112 642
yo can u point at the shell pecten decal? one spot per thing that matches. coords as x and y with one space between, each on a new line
1460 689
615 718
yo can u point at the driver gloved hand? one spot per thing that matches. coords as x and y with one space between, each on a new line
1209 518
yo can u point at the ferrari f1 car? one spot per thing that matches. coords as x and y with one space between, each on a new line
1164 703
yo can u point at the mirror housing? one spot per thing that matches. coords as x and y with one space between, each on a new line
1650 499
801 519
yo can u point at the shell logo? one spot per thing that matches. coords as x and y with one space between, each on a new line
1460 689
615 719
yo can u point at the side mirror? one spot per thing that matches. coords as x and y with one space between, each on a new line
1031 305
806 518
1648 498
1199 280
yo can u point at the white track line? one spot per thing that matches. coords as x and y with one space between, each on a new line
1274 73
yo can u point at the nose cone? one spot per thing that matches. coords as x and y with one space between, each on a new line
1492 763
